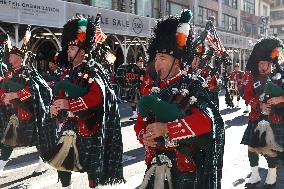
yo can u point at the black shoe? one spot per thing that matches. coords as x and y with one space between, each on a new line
250 185
268 186
133 118
35 174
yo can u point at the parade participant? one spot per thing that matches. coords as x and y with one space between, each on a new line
258 70
5 150
236 82
136 94
205 73
54 71
26 97
91 121
212 83
180 151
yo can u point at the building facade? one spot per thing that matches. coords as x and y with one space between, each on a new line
277 19
127 33
129 23
238 23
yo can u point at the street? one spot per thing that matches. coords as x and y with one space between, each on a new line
17 173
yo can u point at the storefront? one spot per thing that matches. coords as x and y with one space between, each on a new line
127 33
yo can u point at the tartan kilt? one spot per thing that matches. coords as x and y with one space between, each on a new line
278 130
87 147
47 135
3 121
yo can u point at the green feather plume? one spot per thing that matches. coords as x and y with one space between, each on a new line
186 16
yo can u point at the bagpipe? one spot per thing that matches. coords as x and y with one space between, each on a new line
170 110
215 50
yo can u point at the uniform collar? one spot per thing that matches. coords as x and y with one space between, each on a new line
170 81
77 66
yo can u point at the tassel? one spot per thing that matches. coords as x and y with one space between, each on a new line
50 154
160 173
258 139
68 163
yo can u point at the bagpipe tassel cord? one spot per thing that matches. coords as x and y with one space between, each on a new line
10 134
67 151
160 171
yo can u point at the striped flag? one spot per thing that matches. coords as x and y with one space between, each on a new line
280 58
214 40
100 37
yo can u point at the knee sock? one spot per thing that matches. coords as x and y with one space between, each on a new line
92 181
253 159
271 161
133 108
6 152
65 178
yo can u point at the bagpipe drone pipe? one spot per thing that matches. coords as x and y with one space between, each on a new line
216 50
221 59
225 60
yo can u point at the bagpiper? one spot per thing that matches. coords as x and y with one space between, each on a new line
178 124
236 84
85 105
25 100
264 133
55 70
136 90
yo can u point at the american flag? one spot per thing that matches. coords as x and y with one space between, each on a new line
100 37
214 40
281 58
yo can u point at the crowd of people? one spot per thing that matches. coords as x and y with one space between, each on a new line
71 113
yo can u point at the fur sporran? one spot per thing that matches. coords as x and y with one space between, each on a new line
10 135
264 140
65 155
